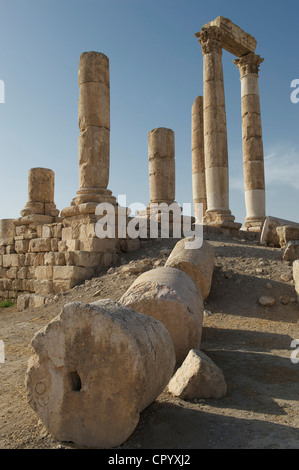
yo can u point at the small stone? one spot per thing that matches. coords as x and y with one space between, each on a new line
97 293
207 313
228 275
286 277
269 286
284 300
111 271
267 301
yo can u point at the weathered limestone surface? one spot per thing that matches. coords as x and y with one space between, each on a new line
95 368
198 157
197 263
253 154
269 233
171 296
296 276
198 377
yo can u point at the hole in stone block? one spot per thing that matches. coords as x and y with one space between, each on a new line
75 382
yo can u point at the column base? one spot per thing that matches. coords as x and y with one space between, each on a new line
87 201
218 218
40 208
253 224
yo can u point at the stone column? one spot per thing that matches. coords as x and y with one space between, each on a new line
40 193
198 156
253 155
215 131
94 138
161 150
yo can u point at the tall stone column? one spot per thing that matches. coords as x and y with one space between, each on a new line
215 131
161 149
253 155
198 156
94 138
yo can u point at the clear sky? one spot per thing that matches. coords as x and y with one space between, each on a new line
156 70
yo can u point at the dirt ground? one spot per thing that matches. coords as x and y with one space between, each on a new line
249 342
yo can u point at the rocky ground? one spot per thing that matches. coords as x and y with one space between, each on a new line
250 342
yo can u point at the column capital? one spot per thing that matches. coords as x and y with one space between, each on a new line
249 64
210 39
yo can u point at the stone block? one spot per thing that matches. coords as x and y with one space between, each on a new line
87 259
63 286
62 246
87 231
287 233
43 272
29 259
10 249
11 261
73 381
38 245
39 259
46 231
21 246
128 246
67 233
100 245
198 377
23 302
28 285
72 245
70 273
54 259
17 285
44 287
57 230
22 273
54 244
11 273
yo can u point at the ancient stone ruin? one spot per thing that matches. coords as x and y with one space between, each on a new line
209 132
73 381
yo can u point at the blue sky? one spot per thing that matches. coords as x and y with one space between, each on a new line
156 74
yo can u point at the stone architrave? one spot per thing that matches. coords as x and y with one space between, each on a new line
95 368
253 155
41 183
215 130
198 157
94 138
